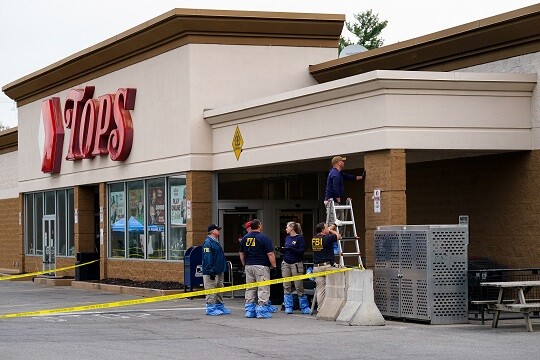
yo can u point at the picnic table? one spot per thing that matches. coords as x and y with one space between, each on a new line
519 304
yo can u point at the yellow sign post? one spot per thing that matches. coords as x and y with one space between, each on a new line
237 143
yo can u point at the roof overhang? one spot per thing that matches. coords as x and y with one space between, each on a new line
502 36
379 110
8 140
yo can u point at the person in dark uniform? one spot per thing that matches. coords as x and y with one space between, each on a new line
334 183
323 256
335 189
257 255
292 265
213 268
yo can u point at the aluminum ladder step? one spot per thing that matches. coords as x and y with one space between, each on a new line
332 218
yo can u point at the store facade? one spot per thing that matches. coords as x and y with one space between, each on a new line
132 147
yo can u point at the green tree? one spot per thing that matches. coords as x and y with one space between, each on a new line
366 28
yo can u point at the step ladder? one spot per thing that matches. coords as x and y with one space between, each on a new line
346 227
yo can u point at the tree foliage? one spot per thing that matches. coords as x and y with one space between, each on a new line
366 28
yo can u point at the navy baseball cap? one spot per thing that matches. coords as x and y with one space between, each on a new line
212 227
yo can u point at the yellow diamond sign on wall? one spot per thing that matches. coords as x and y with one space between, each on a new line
237 143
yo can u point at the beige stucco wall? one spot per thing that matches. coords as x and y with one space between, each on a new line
379 110
8 180
173 89
529 63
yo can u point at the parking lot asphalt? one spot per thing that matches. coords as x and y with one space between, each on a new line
179 329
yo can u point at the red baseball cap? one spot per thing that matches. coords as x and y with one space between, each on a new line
247 225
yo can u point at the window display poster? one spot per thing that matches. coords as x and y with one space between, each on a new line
136 204
178 205
156 205
117 202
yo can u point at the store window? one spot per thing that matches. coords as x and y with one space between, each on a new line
154 226
50 203
117 221
58 203
38 221
61 233
29 223
136 219
155 193
71 222
177 216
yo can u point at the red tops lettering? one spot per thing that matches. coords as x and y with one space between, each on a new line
98 127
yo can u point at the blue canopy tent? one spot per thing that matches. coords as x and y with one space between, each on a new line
134 225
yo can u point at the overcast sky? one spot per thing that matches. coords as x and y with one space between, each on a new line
37 33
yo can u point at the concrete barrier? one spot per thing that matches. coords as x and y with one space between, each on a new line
335 297
360 307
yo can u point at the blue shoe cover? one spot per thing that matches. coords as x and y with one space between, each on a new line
271 308
212 310
221 306
263 312
304 304
250 310
289 304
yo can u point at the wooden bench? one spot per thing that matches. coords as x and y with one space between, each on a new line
528 307
484 304
488 305
525 309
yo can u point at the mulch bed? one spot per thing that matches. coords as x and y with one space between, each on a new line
161 285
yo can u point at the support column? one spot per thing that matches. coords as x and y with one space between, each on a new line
84 225
20 265
103 226
199 192
386 170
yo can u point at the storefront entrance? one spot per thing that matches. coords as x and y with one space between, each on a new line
274 217
232 222
49 259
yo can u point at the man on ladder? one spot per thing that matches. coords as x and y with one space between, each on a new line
338 208
336 217
335 190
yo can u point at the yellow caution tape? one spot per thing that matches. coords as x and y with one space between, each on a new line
174 296
44 272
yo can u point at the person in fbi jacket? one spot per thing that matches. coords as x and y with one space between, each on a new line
257 255
213 268
323 256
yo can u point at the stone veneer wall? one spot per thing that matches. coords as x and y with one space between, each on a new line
199 191
500 193
11 257
386 171
84 226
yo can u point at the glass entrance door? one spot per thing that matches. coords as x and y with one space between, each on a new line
49 237
232 223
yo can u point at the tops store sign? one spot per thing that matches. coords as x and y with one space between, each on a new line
98 126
